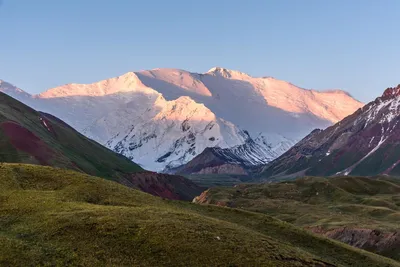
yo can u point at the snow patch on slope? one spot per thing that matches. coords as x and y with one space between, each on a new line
351 168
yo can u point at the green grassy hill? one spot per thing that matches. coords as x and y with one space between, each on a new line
58 217
361 211
212 180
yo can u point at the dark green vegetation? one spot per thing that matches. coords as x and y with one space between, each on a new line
364 212
59 217
28 136
211 180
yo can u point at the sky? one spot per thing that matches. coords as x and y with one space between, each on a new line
352 45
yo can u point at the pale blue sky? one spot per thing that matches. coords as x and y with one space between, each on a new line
323 44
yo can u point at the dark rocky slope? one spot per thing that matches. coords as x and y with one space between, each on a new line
364 143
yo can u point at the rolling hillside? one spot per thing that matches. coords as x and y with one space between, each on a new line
360 211
86 221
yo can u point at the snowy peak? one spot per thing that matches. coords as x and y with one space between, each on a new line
391 92
185 108
160 133
226 73
179 131
383 110
173 83
336 91
311 106
128 82
12 90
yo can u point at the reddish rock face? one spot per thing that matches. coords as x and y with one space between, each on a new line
391 92
202 199
26 141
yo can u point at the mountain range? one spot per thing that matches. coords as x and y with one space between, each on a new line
364 143
163 118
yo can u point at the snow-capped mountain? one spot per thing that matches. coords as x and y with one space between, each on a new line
241 159
364 143
145 115
14 91
255 104
82 104
177 131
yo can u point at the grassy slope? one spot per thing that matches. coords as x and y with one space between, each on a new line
211 180
318 202
69 148
58 217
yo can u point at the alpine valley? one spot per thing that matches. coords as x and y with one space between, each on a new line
163 118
